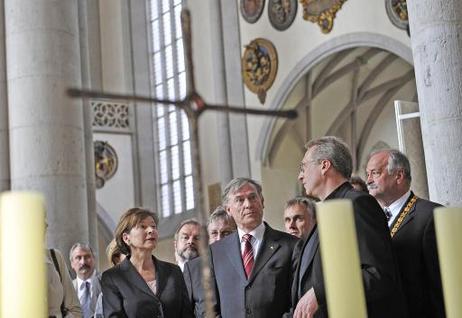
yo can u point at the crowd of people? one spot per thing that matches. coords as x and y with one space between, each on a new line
257 271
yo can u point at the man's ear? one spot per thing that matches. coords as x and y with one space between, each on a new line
325 165
399 175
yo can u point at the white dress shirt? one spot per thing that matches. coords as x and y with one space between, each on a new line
396 207
257 234
81 285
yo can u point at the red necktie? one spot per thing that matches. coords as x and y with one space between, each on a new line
247 255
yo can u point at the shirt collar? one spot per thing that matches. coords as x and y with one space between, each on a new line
257 232
80 281
397 205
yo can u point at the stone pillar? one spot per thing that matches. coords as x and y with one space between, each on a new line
88 31
46 127
235 87
436 36
4 142
218 64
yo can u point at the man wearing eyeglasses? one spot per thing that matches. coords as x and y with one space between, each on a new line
325 171
412 228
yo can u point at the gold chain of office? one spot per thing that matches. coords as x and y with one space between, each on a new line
402 215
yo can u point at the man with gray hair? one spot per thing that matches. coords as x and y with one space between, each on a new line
412 229
220 225
186 241
324 173
299 216
87 282
253 267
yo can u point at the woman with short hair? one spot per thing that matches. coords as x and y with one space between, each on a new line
143 286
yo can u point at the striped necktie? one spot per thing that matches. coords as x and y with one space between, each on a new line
247 255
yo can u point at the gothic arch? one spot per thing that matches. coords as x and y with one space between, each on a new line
353 40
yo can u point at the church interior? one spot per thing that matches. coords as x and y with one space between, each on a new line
354 69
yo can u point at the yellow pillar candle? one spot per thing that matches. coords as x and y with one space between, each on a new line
448 228
340 259
23 282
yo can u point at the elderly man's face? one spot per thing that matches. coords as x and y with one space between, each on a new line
83 263
187 243
379 182
246 207
297 220
219 228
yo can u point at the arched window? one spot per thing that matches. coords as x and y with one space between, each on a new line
171 129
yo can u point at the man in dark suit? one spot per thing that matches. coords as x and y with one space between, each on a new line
252 268
220 225
325 170
412 229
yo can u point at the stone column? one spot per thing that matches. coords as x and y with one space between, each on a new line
436 36
4 142
235 88
88 30
218 64
46 127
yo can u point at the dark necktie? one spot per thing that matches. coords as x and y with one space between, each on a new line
387 212
86 299
247 255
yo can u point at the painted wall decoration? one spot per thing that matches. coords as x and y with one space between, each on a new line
397 13
251 10
282 13
321 12
106 162
259 67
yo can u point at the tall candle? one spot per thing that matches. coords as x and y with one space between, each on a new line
448 225
23 281
340 259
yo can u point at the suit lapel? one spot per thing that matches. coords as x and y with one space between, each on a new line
268 247
233 249
95 289
135 278
307 256
411 214
161 274
408 217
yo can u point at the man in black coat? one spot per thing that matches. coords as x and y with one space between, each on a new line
412 229
325 170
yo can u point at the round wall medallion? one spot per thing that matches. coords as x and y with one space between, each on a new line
397 13
282 13
106 162
251 10
259 66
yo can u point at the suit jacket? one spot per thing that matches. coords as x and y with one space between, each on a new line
266 293
416 251
126 294
95 291
380 274
193 278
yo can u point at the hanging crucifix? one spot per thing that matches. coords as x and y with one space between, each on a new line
193 105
